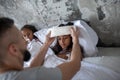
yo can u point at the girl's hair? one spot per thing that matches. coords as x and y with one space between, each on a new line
57 48
30 27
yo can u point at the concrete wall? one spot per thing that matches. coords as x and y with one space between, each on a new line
103 15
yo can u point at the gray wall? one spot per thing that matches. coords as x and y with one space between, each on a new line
103 15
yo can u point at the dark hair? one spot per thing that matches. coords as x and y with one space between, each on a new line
30 27
67 24
57 48
5 24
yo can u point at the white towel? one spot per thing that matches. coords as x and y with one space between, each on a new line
58 31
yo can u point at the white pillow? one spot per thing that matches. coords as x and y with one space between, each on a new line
41 35
88 38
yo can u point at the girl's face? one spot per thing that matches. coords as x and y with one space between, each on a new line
64 41
27 34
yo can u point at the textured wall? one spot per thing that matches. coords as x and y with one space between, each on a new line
42 12
103 15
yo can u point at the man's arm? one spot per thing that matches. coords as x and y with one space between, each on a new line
39 58
69 69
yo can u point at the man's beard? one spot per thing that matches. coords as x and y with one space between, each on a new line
26 55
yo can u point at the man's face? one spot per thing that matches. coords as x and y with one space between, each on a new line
21 46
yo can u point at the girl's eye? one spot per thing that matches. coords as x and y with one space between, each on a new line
59 38
24 35
28 34
65 37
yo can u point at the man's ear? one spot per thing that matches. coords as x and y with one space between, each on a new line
12 48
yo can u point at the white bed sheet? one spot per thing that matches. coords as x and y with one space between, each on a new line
92 68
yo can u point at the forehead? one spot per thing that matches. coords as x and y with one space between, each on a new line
26 30
63 36
10 35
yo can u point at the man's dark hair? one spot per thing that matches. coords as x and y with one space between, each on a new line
5 24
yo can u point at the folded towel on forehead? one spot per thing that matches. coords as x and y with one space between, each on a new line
58 31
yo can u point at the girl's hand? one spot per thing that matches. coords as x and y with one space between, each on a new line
74 35
49 40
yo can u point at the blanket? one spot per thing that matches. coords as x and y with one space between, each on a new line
92 68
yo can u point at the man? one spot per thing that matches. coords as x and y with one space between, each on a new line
13 53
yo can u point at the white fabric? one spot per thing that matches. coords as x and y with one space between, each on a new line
58 31
92 68
88 30
41 35
34 48
88 38
99 68
111 62
91 71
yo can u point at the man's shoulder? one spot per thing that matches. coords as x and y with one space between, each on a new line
33 74
8 75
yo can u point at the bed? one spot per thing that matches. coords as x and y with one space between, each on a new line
104 66
93 68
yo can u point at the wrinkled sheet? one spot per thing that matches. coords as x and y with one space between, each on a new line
92 68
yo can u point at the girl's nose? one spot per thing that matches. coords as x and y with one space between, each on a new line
62 40
27 39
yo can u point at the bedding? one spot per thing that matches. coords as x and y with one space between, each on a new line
92 68
34 47
111 63
58 31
